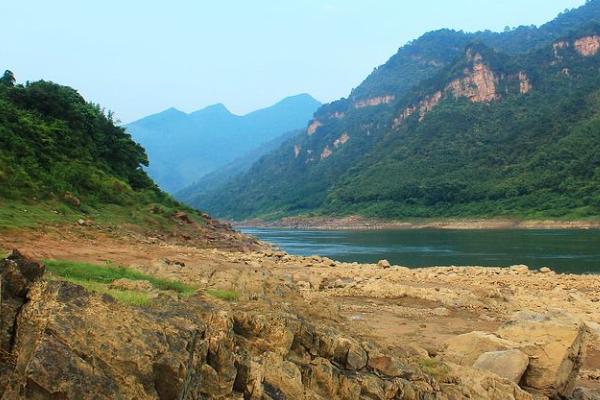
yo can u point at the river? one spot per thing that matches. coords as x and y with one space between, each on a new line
575 251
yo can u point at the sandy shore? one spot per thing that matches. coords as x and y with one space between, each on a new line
362 223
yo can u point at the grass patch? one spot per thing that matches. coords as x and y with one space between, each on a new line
227 295
106 274
434 367
97 278
18 214
130 297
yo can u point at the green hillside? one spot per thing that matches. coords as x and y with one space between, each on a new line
507 127
62 158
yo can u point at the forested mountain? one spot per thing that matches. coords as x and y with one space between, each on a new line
216 180
182 148
455 124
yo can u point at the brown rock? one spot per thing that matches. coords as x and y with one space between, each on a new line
71 199
555 345
509 364
282 378
183 217
384 264
466 349
350 354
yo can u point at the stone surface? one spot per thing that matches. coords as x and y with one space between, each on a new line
467 348
509 364
554 343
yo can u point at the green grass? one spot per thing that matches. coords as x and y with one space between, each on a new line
227 295
433 367
97 278
17 214
130 297
106 274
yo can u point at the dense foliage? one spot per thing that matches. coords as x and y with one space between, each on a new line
532 155
55 145
423 58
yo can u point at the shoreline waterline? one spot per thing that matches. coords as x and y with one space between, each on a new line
569 251
357 223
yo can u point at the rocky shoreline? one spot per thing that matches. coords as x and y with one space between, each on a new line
363 223
298 328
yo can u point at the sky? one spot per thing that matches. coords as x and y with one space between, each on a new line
139 57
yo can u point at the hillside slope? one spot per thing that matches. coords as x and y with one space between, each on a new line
65 165
182 148
478 136
216 180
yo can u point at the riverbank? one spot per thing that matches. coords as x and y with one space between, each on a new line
304 325
363 223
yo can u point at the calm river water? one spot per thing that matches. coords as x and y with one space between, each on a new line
575 251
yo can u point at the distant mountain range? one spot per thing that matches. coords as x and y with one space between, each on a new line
454 125
182 148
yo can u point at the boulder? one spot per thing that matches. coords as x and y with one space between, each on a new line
509 364
350 354
520 269
481 384
283 379
554 343
465 349
384 264
585 394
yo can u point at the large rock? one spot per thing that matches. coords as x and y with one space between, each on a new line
465 349
283 379
481 384
17 275
509 364
554 343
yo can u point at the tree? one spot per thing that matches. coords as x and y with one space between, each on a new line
8 79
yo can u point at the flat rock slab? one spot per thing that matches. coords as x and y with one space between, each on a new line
509 364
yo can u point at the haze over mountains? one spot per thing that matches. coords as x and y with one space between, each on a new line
455 124
182 147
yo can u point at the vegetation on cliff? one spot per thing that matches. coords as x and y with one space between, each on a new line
487 124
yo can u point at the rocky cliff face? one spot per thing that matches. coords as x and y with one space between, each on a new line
588 46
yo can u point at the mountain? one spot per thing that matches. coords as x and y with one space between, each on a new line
182 148
216 180
454 125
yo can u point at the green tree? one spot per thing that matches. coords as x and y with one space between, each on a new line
8 79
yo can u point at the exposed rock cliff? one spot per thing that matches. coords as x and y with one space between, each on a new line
588 46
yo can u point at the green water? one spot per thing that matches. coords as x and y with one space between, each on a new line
576 251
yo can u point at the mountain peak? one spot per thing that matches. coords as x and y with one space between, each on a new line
302 98
215 109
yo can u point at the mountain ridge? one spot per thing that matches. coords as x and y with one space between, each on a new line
350 158
183 147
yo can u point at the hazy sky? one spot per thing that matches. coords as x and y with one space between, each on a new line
138 57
